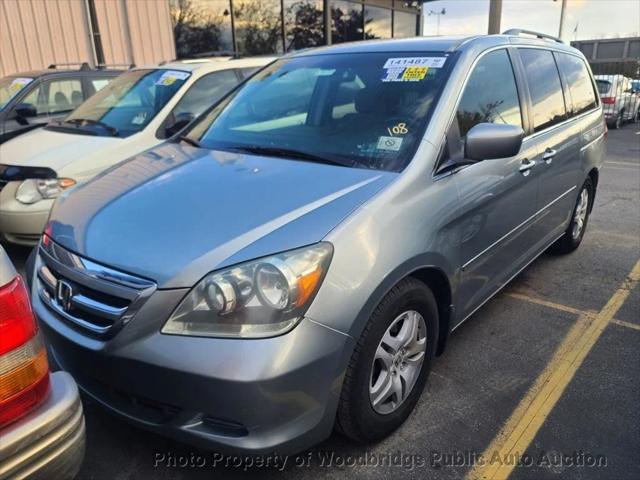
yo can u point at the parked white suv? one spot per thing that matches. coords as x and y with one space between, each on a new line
136 111
619 100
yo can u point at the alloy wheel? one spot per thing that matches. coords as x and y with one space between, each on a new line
397 362
580 215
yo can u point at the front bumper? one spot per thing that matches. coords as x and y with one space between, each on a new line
49 442
253 396
20 223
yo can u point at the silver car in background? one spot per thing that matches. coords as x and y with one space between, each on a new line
42 433
296 258
619 98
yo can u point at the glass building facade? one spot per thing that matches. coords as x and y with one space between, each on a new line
261 27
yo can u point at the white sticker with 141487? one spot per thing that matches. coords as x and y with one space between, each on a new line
404 62
389 143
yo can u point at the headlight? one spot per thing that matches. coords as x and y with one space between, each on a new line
261 298
35 189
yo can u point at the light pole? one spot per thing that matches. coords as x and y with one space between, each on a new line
437 14
563 10
495 12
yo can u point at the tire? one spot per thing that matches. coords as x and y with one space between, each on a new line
570 241
617 123
357 418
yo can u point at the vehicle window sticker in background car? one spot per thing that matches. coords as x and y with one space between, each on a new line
410 69
18 84
170 76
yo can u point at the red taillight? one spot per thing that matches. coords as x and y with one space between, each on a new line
24 370
16 320
609 100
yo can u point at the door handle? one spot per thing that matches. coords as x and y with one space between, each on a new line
548 155
526 166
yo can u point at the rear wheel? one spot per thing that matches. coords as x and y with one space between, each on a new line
575 231
617 123
390 363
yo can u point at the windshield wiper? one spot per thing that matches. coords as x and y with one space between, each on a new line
191 141
79 122
287 152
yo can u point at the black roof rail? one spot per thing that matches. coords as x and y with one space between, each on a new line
82 65
518 31
102 66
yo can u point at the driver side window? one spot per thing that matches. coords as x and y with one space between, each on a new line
490 96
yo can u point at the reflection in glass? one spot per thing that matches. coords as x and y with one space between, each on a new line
583 96
377 22
490 95
304 24
258 26
544 86
404 24
360 112
201 27
346 22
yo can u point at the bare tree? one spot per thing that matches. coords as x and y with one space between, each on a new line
197 31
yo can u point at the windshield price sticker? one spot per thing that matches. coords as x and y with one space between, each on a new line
170 76
410 69
18 84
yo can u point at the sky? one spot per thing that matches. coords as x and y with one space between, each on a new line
593 18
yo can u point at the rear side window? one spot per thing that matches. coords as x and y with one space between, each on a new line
99 83
490 95
56 96
545 87
247 72
583 97
206 91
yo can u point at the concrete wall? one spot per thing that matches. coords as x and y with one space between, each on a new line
37 33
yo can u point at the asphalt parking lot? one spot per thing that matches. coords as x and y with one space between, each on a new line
542 381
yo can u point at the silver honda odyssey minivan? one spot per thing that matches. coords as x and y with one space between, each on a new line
293 261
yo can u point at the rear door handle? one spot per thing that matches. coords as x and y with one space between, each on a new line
548 155
526 166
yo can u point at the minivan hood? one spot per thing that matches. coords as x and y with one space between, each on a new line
55 150
175 213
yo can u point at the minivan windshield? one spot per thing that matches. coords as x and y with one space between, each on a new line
364 110
128 103
10 87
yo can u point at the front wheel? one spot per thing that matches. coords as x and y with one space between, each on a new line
575 231
390 363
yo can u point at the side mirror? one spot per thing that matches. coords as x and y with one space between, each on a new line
491 140
25 110
180 121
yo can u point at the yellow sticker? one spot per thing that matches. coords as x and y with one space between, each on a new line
414 74
166 81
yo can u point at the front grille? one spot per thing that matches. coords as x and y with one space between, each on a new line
89 296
